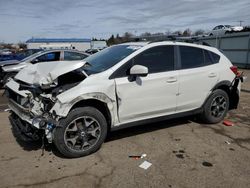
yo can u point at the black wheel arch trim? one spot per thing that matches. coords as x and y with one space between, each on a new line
233 92
222 83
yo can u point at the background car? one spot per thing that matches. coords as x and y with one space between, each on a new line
92 51
9 69
224 29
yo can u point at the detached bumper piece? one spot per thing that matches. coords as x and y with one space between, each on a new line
23 130
234 93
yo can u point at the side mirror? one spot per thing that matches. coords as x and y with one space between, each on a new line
138 70
34 61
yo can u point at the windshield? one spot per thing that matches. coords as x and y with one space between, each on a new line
25 53
107 58
31 56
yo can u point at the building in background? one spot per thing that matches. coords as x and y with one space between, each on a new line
59 43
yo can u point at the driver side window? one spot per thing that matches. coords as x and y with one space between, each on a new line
156 59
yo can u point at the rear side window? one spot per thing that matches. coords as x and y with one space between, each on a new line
210 57
70 56
216 57
156 59
191 57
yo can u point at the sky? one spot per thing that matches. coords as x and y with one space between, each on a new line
22 19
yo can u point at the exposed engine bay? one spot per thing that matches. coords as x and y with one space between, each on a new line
35 102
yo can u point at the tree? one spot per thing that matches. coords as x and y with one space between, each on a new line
111 40
127 37
199 32
146 34
178 32
22 45
187 32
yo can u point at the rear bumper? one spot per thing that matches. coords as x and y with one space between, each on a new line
235 89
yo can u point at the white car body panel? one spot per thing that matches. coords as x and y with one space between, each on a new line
192 90
146 97
155 95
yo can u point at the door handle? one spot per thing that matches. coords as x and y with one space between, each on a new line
171 79
212 75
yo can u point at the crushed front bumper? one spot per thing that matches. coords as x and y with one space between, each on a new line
28 124
23 125
23 130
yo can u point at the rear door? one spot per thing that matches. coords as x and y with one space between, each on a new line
150 96
197 76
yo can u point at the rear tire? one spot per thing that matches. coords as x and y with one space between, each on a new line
81 133
216 107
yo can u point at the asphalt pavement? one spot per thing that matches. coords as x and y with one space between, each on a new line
183 153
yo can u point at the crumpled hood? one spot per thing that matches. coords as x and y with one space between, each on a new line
9 62
47 72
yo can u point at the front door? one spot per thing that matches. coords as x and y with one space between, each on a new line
150 96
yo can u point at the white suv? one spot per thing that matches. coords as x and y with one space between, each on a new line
74 104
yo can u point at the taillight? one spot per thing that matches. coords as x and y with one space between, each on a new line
234 69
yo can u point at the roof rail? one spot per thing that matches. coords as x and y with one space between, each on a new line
187 39
183 39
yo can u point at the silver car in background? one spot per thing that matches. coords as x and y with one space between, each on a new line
224 29
8 71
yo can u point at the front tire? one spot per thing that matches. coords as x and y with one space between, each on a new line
81 133
216 107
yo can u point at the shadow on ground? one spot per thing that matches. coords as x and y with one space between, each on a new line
114 135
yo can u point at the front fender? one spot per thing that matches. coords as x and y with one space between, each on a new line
62 109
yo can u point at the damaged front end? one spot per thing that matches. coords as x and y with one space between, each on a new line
31 104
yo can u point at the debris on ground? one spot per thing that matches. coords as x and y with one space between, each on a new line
228 123
207 164
227 142
145 165
179 154
138 156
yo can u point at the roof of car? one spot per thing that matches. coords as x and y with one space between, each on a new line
135 43
46 40
56 50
